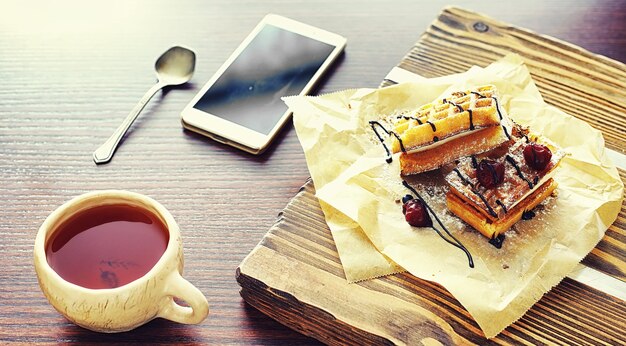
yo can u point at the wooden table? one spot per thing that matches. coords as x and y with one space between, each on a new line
70 72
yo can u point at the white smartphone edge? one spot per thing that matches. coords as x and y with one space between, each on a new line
241 137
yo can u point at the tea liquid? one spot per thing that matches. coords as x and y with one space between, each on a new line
107 246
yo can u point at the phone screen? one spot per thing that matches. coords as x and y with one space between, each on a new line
276 63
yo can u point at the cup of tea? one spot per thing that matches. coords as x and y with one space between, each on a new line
110 261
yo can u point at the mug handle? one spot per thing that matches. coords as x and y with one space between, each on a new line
178 287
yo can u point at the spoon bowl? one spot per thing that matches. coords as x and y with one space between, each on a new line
174 67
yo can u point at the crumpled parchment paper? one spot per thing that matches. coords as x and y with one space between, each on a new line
359 194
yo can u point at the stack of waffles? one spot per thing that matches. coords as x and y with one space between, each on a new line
469 129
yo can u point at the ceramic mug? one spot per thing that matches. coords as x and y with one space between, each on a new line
135 303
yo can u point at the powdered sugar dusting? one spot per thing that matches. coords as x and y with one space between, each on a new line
524 235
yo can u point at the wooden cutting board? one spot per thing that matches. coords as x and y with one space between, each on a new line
295 276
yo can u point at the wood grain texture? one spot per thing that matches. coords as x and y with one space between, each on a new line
402 309
71 70
295 272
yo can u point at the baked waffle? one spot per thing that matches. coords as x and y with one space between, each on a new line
473 143
456 114
467 122
494 210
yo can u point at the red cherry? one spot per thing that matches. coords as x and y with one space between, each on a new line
537 156
490 173
416 214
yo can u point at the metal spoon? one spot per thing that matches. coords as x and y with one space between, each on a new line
174 67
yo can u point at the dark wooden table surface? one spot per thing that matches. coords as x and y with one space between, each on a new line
69 73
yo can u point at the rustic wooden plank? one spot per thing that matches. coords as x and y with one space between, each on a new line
399 308
300 245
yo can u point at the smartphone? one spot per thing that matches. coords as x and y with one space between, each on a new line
241 104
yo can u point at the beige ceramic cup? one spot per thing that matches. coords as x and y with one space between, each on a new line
129 306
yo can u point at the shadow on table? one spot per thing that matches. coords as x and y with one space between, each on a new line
265 156
187 86
151 108
155 331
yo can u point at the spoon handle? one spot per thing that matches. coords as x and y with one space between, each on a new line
105 152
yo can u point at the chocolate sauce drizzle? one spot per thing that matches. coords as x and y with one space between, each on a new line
506 132
419 122
382 141
497 241
499 202
455 105
456 242
402 148
432 126
528 214
399 141
489 208
497 107
463 110
463 179
482 198
472 188
511 160
480 96
474 162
